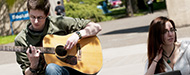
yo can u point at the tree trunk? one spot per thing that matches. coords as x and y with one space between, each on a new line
130 7
126 6
134 6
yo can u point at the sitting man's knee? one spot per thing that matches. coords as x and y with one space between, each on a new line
51 66
53 69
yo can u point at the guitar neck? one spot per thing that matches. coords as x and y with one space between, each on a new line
23 49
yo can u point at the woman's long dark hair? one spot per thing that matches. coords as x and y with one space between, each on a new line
155 39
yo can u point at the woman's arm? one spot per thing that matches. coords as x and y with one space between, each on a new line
152 68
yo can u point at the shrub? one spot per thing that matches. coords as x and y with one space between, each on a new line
85 11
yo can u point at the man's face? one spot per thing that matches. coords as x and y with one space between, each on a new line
38 19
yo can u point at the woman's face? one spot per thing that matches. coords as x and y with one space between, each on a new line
169 34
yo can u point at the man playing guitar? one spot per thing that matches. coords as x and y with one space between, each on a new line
42 24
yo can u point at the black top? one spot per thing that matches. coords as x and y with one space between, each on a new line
60 10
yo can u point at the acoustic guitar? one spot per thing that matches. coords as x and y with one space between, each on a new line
85 57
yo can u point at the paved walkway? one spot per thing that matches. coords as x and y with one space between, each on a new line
127 60
123 42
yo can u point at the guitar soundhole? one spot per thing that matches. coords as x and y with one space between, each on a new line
60 50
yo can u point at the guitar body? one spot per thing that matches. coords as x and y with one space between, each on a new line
88 60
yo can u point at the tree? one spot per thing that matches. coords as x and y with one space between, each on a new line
131 7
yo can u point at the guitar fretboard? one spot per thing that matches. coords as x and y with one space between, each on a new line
23 49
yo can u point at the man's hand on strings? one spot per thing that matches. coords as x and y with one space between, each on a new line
33 56
71 41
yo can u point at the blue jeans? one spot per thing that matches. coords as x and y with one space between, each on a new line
54 69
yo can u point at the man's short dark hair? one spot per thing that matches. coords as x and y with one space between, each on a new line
58 2
43 5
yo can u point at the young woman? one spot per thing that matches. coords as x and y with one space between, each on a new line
165 53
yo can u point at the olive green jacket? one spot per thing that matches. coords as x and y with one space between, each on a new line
54 25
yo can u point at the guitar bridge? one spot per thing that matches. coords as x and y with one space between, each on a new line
72 60
79 53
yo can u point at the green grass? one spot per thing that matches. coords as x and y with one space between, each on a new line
120 13
7 39
139 14
117 13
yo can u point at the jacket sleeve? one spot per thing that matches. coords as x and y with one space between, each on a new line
21 58
73 24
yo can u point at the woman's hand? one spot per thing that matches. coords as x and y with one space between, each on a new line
33 55
159 54
153 65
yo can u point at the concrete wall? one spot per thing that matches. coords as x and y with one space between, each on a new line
5 28
179 11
